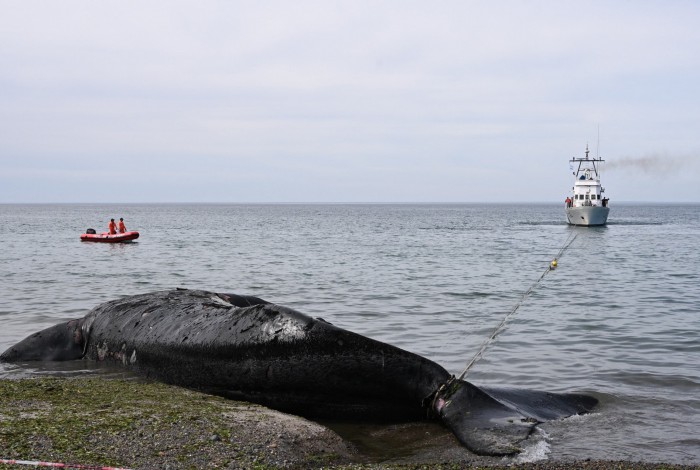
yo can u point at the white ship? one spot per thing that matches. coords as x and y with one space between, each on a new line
588 206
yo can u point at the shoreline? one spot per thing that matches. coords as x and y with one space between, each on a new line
137 424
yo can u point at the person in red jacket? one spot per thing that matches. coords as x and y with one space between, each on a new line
122 227
112 227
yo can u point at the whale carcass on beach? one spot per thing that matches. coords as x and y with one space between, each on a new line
245 348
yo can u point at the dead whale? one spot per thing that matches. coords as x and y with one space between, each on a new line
246 348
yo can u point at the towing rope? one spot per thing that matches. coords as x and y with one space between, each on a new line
57 465
501 326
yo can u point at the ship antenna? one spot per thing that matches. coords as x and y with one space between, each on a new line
597 149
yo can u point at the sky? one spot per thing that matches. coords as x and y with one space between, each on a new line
346 101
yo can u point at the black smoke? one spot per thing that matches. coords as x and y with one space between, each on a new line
653 163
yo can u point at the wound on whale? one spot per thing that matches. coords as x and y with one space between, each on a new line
246 348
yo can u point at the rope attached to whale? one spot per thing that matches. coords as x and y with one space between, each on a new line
501 326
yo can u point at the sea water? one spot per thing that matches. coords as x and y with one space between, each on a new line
618 318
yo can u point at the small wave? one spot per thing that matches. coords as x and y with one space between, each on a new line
537 449
458 228
683 275
650 380
579 419
632 222
469 295
446 227
543 223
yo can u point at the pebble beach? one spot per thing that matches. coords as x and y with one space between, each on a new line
126 423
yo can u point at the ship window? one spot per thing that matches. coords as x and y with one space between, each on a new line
586 196
593 196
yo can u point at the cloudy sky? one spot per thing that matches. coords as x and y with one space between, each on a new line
346 101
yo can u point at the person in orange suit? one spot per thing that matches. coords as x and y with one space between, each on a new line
112 227
122 227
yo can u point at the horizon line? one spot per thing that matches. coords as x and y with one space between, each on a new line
331 202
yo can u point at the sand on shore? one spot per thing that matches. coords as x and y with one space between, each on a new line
137 424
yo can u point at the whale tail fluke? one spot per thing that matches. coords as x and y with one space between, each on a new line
497 421
543 406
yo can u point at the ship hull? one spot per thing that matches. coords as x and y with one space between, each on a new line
587 216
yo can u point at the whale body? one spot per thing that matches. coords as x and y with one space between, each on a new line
246 348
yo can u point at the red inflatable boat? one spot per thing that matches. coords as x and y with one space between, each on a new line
105 237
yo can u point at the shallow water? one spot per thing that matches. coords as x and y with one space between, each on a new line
618 318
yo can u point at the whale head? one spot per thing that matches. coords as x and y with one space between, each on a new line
62 342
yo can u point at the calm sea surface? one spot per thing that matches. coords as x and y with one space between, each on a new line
618 318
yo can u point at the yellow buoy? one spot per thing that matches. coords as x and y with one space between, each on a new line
554 264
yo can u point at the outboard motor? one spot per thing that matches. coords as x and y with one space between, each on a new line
90 231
